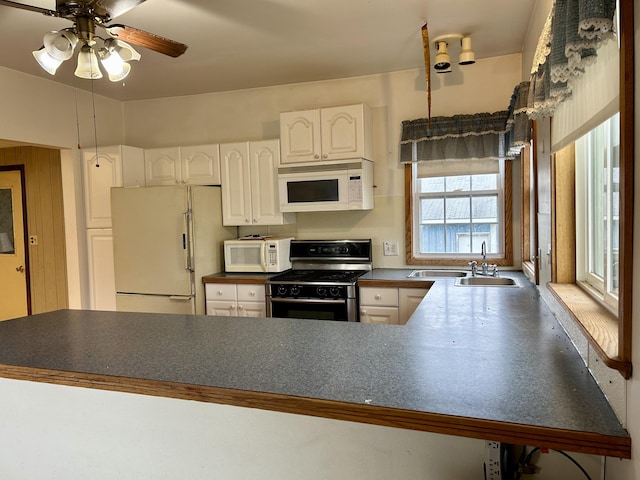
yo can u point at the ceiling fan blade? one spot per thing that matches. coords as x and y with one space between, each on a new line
31 8
147 40
113 8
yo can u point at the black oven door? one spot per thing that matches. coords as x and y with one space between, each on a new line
314 309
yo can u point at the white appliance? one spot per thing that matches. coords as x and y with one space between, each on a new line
326 186
267 255
165 239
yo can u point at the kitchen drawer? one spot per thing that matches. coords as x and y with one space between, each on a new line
220 291
251 293
387 297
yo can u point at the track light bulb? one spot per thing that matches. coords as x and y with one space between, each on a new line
467 57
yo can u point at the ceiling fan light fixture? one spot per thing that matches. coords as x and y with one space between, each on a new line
88 66
442 60
467 57
46 61
60 44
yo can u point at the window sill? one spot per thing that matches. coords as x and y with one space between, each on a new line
599 325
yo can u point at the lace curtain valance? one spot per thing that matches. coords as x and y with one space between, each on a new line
572 33
469 137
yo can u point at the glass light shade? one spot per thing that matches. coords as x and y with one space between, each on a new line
60 44
467 57
114 65
88 64
46 61
123 49
442 60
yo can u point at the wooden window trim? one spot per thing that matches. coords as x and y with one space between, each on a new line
610 334
505 261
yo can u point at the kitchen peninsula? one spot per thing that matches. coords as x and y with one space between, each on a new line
487 363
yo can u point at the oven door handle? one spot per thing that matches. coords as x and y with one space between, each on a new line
312 301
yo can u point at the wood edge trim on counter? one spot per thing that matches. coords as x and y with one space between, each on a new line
600 327
235 280
582 442
408 283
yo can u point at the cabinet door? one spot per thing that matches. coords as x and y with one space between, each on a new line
236 184
300 136
252 309
265 204
102 285
222 309
342 131
200 164
98 181
408 300
162 166
379 315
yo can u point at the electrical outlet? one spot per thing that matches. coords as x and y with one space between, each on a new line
390 248
33 239
492 461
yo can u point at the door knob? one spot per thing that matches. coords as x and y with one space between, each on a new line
20 269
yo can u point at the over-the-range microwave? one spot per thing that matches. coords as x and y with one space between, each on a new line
268 255
326 186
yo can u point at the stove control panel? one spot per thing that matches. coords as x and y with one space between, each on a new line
309 291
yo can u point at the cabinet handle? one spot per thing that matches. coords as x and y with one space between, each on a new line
239 307
325 155
252 293
316 156
219 292
246 220
255 221
378 297
363 312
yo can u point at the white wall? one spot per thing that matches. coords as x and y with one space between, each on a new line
254 115
51 431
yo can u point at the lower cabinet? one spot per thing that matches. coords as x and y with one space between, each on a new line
235 300
389 305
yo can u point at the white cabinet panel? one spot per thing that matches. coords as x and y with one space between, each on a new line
112 166
379 315
408 301
102 287
334 133
235 300
162 166
200 164
250 184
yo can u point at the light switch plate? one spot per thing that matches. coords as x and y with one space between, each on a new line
390 249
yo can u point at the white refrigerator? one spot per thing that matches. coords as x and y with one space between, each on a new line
165 239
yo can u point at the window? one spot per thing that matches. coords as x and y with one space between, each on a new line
598 212
453 211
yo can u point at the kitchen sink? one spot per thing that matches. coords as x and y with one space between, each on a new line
487 282
436 273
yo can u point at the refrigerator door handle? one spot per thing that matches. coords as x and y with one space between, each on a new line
187 239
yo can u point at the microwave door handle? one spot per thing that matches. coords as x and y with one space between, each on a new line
263 254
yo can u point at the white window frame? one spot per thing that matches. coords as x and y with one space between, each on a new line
417 196
599 287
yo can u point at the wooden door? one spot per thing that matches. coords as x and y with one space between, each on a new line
13 259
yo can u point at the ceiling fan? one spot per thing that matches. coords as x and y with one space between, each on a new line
114 52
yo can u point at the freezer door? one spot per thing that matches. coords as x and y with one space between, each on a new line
150 240
155 304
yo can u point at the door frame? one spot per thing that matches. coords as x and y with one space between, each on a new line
20 168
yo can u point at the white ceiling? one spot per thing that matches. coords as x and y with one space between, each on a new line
239 44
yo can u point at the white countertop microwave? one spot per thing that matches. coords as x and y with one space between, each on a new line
268 255
326 186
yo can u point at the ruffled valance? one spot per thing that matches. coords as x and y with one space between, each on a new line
469 137
572 33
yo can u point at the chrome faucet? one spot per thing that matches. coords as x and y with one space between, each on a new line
484 266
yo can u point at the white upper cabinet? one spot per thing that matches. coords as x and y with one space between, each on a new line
335 133
193 165
200 164
250 184
112 166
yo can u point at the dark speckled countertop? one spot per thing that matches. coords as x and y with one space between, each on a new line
481 362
